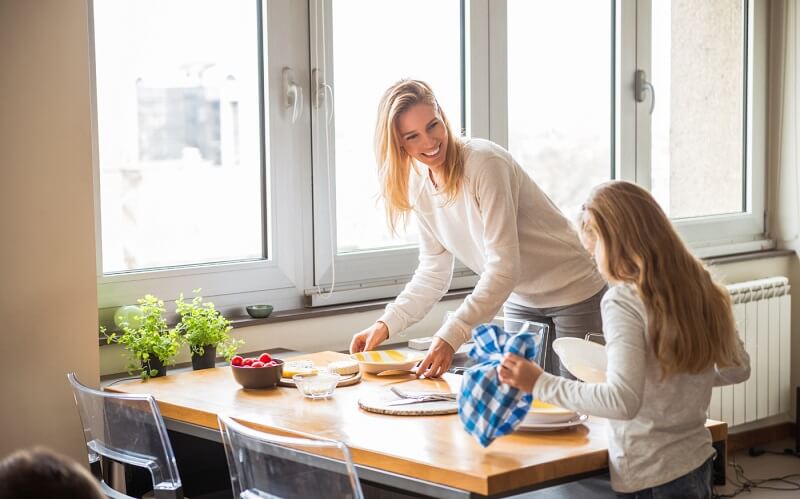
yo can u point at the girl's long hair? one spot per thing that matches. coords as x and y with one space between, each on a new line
690 320
394 164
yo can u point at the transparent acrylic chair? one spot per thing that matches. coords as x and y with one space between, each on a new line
127 429
540 331
264 465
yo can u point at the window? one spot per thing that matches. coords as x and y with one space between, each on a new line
235 140
560 110
698 139
390 54
178 123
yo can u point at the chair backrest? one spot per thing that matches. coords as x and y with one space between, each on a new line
540 331
127 429
265 465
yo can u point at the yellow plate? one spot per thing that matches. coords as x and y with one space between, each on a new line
376 361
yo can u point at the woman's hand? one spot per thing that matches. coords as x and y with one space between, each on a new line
438 359
369 338
518 372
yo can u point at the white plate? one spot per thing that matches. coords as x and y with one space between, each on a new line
376 361
553 426
542 412
586 360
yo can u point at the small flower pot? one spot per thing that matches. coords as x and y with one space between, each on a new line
154 363
206 360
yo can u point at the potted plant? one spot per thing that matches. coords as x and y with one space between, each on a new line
151 345
206 331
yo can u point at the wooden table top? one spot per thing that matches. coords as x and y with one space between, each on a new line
430 448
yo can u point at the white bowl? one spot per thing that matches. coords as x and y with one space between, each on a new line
543 413
376 361
586 360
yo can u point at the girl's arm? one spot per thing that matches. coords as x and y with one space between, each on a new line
430 282
496 191
620 397
733 374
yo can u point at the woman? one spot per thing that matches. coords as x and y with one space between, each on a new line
670 338
474 202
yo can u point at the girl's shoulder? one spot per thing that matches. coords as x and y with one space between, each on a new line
626 297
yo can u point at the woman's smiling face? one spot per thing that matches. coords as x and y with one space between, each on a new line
423 135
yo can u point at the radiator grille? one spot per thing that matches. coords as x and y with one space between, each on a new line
762 312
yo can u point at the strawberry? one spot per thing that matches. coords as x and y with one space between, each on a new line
264 357
257 363
236 360
247 362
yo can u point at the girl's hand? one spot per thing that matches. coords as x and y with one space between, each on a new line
369 338
518 372
438 360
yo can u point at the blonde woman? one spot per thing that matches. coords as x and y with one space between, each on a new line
670 337
472 201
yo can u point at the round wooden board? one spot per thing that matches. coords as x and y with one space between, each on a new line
345 380
377 402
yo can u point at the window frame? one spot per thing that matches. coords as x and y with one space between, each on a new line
296 273
715 235
377 273
276 279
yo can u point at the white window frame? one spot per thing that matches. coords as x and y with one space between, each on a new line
278 278
382 272
297 271
718 234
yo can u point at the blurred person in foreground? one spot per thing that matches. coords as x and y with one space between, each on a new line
39 473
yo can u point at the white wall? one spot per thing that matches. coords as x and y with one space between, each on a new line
48 301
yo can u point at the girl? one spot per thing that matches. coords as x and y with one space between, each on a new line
473 202
670 337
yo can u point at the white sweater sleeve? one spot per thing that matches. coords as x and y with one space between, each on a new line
734 374
620 397
430 282
496 192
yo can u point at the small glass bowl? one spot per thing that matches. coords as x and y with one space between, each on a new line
316 386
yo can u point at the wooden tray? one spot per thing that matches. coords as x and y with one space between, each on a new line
378 402
322 359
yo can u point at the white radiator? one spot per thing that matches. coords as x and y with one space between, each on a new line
762 312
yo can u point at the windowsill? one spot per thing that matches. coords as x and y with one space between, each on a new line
317 312
365 306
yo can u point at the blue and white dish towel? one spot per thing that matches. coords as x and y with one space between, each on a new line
488 408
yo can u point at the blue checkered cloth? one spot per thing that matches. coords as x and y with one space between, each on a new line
488 408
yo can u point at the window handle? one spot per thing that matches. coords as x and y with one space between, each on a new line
292 94
642 86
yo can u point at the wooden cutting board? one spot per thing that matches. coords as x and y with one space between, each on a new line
379 402
321 360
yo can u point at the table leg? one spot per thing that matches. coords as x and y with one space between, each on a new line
720 461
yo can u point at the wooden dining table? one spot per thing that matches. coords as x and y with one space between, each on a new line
425 455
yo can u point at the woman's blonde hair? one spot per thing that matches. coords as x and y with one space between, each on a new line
394 164
690 320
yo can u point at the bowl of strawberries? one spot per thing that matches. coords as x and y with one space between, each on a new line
256 372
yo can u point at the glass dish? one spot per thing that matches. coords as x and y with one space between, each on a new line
316 386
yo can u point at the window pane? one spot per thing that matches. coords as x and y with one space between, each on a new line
697 134
179 139
418 39
559 95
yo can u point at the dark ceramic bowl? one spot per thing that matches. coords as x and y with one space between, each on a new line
258 377
259 311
